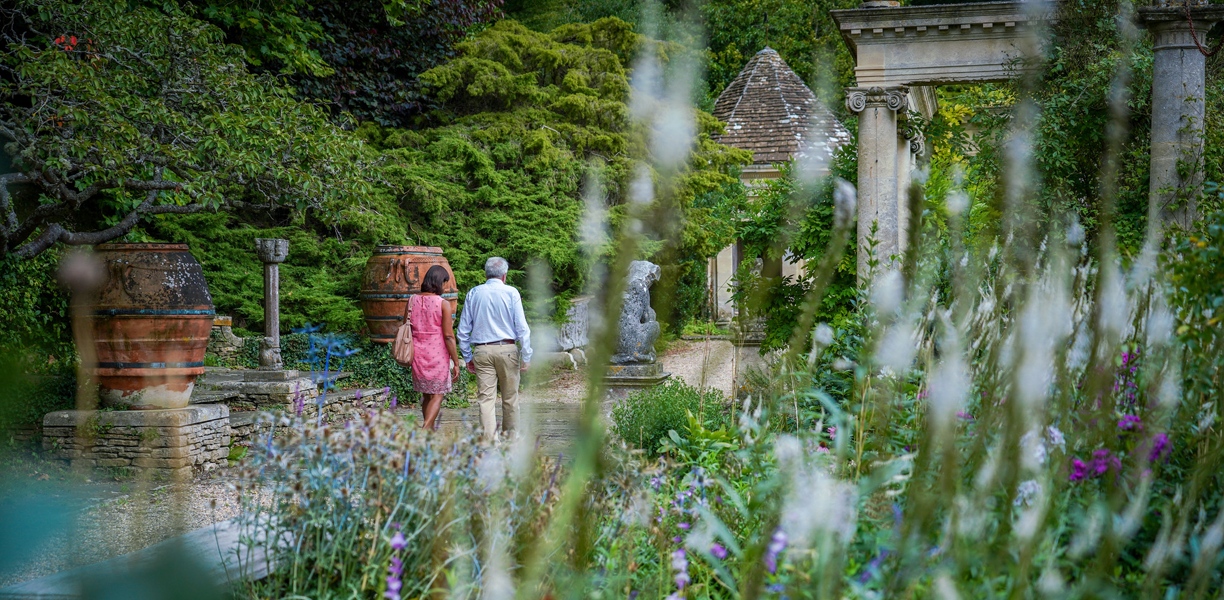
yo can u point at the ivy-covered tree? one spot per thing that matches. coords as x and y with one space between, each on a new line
112 113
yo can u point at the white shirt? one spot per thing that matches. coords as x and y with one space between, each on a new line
493 312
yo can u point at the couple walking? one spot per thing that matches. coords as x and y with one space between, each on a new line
491 323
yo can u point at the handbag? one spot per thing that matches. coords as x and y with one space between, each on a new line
401 349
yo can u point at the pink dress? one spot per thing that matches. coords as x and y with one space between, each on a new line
431 373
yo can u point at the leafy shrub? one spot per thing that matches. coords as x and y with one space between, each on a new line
371 366
645 418
1196 267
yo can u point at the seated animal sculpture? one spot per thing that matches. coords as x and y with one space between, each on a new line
638 328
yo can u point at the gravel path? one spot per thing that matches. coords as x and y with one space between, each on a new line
75 523
698 363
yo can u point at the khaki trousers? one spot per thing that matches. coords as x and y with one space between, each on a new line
497 366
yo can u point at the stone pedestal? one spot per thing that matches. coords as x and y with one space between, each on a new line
623 380
271 252
883 168
170 442
1178 108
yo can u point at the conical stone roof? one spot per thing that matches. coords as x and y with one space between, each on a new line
770 112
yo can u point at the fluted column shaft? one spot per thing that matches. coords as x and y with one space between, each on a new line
880 156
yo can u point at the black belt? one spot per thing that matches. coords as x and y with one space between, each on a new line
497 343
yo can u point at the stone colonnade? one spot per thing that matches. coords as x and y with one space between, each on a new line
898 47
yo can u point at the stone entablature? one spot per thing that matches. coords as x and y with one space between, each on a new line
934 45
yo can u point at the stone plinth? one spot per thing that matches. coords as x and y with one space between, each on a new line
169 442
623 380
264 389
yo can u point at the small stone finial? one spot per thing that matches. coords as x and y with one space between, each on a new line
272 250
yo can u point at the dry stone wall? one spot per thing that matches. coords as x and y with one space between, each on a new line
172 442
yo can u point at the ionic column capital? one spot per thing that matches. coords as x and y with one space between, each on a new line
895 98
917 141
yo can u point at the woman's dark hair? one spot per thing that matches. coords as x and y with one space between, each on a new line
434 279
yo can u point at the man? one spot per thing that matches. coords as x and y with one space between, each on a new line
491 322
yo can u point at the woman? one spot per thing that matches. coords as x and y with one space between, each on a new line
435 359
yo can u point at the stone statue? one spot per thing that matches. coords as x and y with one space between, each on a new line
638 328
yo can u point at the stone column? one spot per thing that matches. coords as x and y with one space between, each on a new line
910 147
878 151
272 253
1178 73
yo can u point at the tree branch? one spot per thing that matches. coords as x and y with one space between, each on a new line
55 232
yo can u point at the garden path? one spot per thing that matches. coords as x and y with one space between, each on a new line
552 402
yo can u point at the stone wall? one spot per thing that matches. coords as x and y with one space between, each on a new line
222 341
170 442
339 405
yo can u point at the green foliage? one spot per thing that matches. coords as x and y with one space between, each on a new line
135 111
25 398
789 218
802 32
645 418
37 322
374 53
319 281
1195 263
534 115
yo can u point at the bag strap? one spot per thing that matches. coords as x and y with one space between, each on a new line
408 309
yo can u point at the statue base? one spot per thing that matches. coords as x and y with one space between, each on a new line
623 380
262 375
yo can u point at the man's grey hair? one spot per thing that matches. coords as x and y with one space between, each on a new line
496 267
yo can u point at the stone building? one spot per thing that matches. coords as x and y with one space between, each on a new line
771 113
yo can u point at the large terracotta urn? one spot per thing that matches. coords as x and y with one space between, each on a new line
150 325
392 275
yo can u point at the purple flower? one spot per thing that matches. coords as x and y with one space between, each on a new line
832 431
718 551
1079 470
964 415
398 542
655 482
394 400
684 526
777 544
394 585
677 539
1102 460
1131 423
397 566
1160 445
679 564
776 588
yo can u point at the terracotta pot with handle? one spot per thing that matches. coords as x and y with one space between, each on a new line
392 275
150 325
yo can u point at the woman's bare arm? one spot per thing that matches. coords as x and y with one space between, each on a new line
448 330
